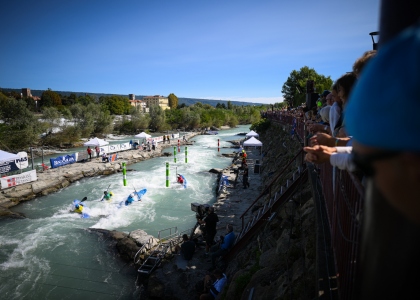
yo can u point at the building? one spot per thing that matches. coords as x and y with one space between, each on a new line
26 92
131 97
163 102
139 104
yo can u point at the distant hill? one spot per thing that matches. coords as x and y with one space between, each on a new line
186 101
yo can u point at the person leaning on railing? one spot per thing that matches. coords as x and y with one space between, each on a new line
387 148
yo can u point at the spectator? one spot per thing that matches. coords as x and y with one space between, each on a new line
323 97
361 62
105 157
153 145
224 245
329 99
97 150
210 222
386 146
187 248
342 88
89 151
213 285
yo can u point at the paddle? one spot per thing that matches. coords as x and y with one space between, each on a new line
104 194
137 194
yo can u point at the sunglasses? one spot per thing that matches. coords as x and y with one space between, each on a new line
364 162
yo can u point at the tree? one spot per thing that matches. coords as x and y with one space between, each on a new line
173 101
20 127
50 98
229 105
294 89
157 118
86 100
117 105
83 118
139 120
51 116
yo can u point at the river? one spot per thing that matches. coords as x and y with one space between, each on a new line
51 255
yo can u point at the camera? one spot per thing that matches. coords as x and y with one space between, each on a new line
201 210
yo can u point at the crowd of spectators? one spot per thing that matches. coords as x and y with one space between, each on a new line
375 136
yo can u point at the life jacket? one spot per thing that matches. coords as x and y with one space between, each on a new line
80 209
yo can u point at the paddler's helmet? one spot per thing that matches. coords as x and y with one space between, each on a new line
243 150
77 206
105 192
132 195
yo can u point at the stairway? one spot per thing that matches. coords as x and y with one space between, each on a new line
157 250
267 211
154 258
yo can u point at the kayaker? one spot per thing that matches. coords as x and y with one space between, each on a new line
78 208
107 196
130 199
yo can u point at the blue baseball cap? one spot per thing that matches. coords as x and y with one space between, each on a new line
385 103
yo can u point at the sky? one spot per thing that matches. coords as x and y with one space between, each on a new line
238 50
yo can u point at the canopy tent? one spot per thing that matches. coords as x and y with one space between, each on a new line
252 133
252 142
143 135
6 156
96 142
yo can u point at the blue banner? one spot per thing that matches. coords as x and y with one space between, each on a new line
63 160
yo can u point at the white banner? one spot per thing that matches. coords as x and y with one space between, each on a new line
22 163
14 180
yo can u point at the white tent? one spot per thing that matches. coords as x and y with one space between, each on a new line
143 135
251 134
6 156
252 142
96 142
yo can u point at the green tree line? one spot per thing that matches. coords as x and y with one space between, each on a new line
58 120
62 121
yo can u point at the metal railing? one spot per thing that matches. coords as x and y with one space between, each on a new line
344 198
268 190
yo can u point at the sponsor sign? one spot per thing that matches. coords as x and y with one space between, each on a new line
14 165
63 160
14 180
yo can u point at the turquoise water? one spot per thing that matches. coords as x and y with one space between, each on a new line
52 255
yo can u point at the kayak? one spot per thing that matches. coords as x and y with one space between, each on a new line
136 197
82 214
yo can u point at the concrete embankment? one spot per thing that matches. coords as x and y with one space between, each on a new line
52 180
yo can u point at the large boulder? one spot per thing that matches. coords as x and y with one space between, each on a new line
141 237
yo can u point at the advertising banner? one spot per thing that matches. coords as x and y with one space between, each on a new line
15 165
63 160
14 180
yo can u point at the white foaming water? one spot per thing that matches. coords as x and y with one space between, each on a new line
53 255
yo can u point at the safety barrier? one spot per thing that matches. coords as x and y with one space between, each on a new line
343 196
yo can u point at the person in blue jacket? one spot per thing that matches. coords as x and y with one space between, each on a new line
130 199
223 246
